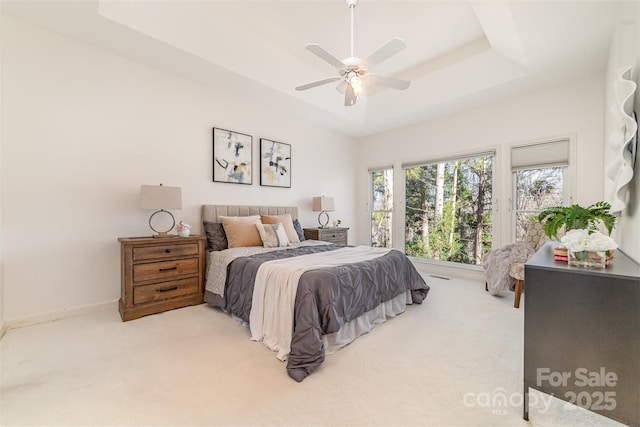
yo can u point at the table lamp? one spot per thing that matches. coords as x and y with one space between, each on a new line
161 197
323 205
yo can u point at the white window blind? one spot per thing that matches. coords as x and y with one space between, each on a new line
543 155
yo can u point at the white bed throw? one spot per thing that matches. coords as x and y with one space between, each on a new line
276 285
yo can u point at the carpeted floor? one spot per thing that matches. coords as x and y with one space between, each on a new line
438 364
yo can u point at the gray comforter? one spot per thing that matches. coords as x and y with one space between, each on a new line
326 298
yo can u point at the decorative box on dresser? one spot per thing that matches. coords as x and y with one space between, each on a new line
160 274
337 235
582 334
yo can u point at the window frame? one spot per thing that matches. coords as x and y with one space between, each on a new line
569 175
372 210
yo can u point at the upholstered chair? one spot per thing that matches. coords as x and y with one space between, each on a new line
534 239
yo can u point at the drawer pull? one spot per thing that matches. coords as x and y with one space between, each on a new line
167 251
173 288
175 267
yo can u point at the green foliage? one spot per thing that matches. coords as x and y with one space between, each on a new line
577 217
453 234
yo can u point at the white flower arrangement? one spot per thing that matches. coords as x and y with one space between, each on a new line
181 226
183 229
583 240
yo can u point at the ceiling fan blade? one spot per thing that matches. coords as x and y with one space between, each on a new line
391 82
342 86
350 97
389 49
318 83
320 52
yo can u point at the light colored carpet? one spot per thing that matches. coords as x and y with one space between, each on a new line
433 365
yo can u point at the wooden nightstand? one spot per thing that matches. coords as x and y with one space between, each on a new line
336 235
160 274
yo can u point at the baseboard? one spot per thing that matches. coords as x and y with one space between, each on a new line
464 272
60 315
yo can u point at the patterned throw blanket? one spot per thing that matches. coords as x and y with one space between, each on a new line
497 262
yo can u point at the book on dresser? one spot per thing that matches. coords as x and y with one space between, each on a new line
160 274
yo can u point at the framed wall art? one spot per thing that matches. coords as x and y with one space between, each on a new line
232 156
619 157
275 163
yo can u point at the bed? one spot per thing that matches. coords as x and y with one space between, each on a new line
308 298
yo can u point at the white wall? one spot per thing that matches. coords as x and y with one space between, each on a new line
574 110
625 50
84 128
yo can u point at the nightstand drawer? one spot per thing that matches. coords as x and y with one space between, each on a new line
165 251
334 237
165 290
337 235
164 269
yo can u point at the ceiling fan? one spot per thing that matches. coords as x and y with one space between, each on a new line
353 71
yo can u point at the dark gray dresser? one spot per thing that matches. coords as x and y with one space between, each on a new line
582 334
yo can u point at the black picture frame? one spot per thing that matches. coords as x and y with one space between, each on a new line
232 157
275 163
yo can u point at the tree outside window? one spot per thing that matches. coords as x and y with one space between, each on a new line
449 209
382 208
536 190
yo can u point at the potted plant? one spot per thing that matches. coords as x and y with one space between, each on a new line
577 217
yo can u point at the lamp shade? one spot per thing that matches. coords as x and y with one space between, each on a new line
160 197
323 203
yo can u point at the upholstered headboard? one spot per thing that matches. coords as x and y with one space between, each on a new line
212 212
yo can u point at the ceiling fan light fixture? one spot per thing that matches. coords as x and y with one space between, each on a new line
353 71
356 84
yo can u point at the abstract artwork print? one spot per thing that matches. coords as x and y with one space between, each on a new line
232 154
275 163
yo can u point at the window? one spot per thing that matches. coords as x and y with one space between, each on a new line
381 207
448 214
539 181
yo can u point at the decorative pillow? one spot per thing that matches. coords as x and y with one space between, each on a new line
241 230
216 238
286 222
299 232
272 235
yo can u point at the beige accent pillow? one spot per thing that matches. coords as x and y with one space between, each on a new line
241 230
286 222
272 235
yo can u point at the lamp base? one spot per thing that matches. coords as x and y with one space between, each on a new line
323 224
164 233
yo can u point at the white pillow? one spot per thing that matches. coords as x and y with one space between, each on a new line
272 235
